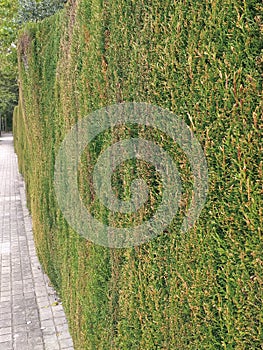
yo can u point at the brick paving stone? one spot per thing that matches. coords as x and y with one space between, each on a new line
6 346
29 319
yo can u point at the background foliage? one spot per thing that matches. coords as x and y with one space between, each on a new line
201 60
13 14
8 58
33 10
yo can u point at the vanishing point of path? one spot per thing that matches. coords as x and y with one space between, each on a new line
30 316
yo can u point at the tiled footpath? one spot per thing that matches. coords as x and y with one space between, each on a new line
31 316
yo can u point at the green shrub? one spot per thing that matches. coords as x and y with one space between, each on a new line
200 60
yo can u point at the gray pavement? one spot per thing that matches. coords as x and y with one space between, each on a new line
31 315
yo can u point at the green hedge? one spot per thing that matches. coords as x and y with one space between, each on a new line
200 60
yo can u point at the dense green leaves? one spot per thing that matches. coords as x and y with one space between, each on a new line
13 14
8 59
33 11
201 60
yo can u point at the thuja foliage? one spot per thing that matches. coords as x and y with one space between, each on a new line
201 60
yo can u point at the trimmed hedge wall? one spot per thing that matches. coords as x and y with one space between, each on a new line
200 60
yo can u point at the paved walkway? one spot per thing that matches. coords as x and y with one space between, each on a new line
30 316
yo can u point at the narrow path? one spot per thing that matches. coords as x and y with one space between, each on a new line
30 317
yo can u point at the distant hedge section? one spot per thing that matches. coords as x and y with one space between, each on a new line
200 60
